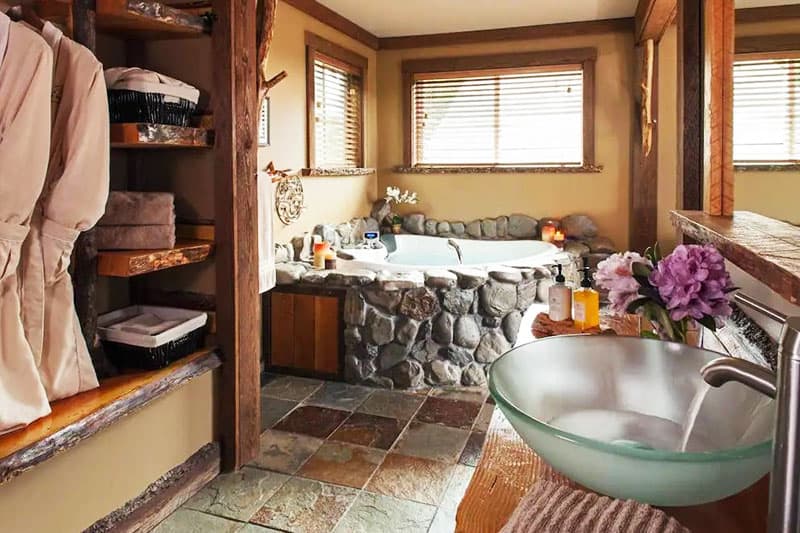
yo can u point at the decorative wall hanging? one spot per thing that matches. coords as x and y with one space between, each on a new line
289 195
263 123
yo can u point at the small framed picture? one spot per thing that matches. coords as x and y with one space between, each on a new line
263 123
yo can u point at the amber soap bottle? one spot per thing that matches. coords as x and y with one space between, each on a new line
586 302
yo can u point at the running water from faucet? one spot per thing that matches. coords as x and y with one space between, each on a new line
691 415
453 244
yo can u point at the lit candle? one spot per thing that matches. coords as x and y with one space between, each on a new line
558 238
548 232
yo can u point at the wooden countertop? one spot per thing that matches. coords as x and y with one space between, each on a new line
765 248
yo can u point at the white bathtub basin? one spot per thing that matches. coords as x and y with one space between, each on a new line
404 253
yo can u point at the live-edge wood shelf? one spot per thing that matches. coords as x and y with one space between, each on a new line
144 136
137 19
129 263
765 248
83 415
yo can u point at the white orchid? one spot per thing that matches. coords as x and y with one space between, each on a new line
393 194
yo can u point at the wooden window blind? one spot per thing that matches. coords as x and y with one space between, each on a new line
529 116
766 109
337 114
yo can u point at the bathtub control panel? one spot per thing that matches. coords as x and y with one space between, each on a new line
372 239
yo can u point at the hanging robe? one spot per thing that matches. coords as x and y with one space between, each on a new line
26 73
73 199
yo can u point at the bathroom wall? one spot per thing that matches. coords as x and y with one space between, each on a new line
602 195
334 199
71 491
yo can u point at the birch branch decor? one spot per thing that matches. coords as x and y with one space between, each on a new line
265 30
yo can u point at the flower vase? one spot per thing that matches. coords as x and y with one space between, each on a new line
692 335
396 228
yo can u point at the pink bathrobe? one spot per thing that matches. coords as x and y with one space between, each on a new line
26 73
73 199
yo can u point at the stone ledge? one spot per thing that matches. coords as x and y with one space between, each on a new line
583 169
335 172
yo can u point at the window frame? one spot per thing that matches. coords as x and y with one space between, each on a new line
585 57
766 47
340 57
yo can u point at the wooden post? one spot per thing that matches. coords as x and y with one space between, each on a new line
690 104
718 92
238 304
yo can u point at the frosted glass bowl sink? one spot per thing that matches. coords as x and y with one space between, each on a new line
610 412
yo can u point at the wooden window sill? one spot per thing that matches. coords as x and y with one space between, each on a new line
83 415
767 168
585 169
765 248
335 172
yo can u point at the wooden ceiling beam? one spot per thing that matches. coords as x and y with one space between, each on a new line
653 17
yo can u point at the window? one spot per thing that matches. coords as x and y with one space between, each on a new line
335 85
512 110
766 109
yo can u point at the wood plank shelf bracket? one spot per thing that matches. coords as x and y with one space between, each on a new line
129 263
83 415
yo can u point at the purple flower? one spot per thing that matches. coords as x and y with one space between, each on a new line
693 282
615 275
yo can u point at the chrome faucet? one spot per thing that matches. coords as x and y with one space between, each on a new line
784 488
453 244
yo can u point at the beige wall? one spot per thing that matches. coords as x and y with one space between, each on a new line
602 195
327 199
71 491
667 135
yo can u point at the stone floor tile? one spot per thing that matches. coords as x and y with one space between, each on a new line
312 420
432 441
376 513
394 404
290 387
369 430
473 450
305 506
411 478
443 522
484 418
273 409
339 396
285 452
190 521
255 528
453 413
466 394
459 482
237 495
343 464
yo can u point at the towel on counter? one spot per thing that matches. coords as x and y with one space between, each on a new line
129 208
153 237
551 507
266 247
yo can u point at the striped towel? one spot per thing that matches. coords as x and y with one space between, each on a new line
551 507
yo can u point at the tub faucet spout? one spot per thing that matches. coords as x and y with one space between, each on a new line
454 245
784 489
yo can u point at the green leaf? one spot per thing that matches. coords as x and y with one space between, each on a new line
641 269
636 304
708 322
648 335
656 254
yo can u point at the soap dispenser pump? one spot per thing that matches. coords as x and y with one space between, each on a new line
586 301
559 298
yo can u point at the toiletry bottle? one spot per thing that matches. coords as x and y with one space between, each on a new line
586 302
559 298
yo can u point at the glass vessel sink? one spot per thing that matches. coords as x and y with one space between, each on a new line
610 412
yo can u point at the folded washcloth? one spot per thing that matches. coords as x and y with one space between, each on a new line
153 237
129 208
551 507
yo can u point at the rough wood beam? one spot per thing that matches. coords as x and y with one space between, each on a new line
236 200
718 109
653 17
690 104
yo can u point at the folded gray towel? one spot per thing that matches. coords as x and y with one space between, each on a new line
551 507
129 208
154 237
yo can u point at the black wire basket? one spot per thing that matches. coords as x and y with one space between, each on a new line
153 108
140 358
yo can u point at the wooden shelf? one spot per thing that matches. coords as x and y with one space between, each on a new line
136 19
83 415
148 136
129 263
765 248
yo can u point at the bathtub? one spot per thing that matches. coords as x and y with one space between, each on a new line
405 253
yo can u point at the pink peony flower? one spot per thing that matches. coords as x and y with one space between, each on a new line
615 275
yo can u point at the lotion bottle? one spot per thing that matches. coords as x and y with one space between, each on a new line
559 298
586 302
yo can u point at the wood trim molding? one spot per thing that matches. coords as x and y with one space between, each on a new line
521 33
236 222
165 495
787 42
335 51
333 19
767 14
586 57
690 104
653 17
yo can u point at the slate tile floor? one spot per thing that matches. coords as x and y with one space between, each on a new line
346 459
